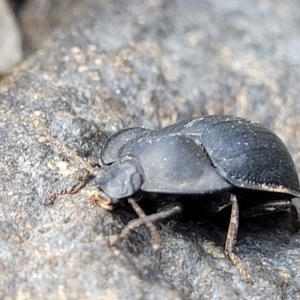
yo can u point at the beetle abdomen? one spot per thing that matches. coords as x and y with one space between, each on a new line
249 155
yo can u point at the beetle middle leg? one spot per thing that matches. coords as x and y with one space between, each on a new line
231 238
147 221
272 207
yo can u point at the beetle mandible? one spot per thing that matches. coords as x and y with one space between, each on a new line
215 154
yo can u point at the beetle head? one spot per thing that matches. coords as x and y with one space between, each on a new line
120 179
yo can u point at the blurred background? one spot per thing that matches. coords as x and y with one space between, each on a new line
24 25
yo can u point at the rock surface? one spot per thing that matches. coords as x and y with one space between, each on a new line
150 63
39 18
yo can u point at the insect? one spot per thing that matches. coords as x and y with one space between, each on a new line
244 163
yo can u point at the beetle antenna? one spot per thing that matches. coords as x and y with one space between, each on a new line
81 183
60 147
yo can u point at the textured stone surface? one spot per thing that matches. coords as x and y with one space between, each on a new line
39 18
132 63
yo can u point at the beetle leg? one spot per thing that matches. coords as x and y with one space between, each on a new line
231 238
295 217
155 237
272 207
148 221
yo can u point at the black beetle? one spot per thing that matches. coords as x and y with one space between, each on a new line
200 156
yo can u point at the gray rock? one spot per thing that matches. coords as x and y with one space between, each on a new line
133 63
39 18
10 39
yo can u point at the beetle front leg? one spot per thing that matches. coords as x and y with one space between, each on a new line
155 237
145 220
231 238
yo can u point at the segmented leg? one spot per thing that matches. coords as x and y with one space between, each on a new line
155 237
272 207
231 239
145 220
295 217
